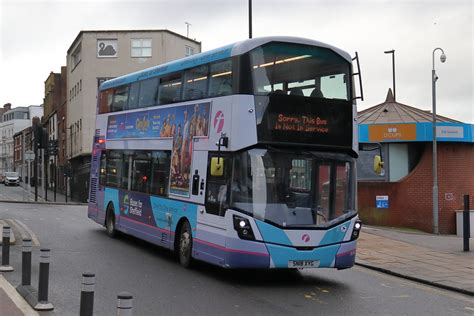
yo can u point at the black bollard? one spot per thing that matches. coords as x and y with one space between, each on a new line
5 267
26 262
466 223
87 294
43 279
125 304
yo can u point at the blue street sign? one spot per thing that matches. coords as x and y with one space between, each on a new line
381 201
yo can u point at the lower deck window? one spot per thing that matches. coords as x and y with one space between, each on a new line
140 171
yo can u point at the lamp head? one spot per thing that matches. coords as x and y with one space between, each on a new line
442 58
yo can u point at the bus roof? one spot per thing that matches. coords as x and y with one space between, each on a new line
224 52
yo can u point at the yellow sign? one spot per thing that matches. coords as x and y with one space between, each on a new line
392 132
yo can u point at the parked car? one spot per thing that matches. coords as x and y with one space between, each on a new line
12 178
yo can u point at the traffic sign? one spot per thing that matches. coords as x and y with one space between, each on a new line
29 155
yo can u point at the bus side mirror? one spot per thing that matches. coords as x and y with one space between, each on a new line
378 165
217 166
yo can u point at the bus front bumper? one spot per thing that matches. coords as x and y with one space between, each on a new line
339 256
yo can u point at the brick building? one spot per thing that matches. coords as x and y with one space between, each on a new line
54 121
406 137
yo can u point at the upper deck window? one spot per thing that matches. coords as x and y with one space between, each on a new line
220 78
106 98
170 88
195 83
120 99
148 92
300 70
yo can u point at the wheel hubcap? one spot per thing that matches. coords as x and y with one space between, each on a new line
185 241
110 224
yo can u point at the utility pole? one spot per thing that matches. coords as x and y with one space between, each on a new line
250 18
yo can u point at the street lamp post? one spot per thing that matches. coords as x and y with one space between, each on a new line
434 78
393 70
250 18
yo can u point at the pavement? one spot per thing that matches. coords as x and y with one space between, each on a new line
60 198
436 260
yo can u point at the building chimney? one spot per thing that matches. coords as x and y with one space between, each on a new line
36 121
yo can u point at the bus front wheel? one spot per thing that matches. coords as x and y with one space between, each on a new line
185 245
110 222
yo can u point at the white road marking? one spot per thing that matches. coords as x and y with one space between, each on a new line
13 223
33 237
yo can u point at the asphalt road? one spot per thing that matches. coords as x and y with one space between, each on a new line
160 286
14 193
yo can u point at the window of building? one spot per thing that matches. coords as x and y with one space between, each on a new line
141 47
102 80
189 51
76 57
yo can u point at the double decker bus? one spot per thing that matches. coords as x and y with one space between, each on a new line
242 157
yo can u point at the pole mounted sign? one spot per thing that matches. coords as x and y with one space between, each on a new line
29 155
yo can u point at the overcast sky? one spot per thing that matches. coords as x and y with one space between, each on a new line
35 36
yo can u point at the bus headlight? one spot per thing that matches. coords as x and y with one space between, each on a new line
243 228
356 230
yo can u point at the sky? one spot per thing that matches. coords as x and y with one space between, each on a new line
35 36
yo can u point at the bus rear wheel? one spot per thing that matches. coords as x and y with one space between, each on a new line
185 245
110 222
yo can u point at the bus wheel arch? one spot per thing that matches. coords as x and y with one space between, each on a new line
183 242
110 220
